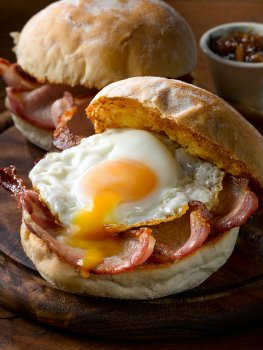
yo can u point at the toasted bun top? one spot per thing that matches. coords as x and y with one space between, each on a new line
197 119
93 43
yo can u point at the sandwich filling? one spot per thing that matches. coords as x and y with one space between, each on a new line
126 198
42 105
46 105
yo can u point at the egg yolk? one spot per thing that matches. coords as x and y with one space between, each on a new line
108 184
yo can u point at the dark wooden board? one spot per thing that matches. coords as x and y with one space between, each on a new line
230 299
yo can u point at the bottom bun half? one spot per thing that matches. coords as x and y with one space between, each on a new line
147 281
38 136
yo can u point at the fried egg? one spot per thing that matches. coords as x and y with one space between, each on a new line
123 178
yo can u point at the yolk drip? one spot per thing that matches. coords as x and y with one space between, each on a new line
108 184
90 221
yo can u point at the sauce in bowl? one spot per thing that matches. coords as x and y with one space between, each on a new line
239 46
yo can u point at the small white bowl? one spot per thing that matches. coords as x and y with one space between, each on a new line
240 83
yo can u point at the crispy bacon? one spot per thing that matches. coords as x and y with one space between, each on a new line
15 77
63 109
138 245
42 105
39 213
198 228
67 133
41 223
34 106
63 138
66 107
12 183
26 198
236 204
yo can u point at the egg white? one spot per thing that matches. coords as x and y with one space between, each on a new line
181 177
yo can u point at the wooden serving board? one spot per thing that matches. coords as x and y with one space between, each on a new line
230 299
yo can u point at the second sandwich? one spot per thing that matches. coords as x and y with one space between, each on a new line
71 49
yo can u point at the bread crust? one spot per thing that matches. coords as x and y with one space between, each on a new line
198 120
144 282
93 43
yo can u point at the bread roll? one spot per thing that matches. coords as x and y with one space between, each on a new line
93 43
201 122
38 136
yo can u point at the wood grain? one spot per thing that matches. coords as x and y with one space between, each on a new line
184 316
232 296
22 334
5 121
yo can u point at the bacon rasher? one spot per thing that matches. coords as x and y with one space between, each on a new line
41 105
236 204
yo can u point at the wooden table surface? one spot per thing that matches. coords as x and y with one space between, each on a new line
19 333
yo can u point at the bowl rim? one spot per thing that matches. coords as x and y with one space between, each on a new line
203 43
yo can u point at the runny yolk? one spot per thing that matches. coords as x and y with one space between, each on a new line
108 184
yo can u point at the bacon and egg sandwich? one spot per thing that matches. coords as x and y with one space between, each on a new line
152 203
